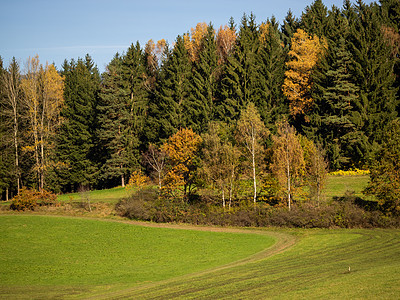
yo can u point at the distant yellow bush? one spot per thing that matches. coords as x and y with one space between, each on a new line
353 172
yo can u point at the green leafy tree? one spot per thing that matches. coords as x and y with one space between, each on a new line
385 170
220 160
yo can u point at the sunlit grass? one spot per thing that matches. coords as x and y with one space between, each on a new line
40 254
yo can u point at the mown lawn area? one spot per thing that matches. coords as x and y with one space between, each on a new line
44 256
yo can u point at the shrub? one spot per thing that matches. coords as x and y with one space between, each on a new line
351 172
29 199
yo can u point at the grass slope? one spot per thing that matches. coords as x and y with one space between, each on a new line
317 267
339 185
43 256
336 186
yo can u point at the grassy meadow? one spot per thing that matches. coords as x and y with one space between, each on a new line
43 255
72 258
335 186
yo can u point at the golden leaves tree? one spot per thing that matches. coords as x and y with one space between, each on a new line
250 131
220 161
315 167
288 163
304 53
226 39
194 39
43 90
181 148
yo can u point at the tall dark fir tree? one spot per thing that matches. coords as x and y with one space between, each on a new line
75 141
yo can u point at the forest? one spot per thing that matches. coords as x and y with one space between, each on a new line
250 111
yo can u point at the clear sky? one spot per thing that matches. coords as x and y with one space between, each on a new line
65 29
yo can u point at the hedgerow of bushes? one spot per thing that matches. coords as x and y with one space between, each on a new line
345 212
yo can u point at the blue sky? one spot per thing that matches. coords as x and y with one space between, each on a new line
58 30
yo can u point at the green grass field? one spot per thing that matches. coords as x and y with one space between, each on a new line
42 255
339 185
316 267
110 195
59 257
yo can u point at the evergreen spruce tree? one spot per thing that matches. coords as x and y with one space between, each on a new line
75 149
204 83
136 98
270 60
289 27
170 109
343 138
113 120
314 19
239 77
373 73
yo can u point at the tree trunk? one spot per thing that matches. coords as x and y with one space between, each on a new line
288 176
122 180
223 197
16 149
254 176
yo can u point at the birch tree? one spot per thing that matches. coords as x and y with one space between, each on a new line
11 81
42 97
156 157
250 132
287 160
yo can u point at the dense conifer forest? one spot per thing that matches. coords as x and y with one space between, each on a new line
254 110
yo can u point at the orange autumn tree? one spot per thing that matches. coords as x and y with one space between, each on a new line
226 38
304 52
181 148
194 39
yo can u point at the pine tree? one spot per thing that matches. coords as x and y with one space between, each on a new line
338 113
75 139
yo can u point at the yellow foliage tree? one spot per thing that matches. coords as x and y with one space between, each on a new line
194 39
264 29
43 90
304 52
181 149
137 180
226 38
288 163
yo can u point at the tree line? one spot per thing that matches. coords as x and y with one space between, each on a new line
256 109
